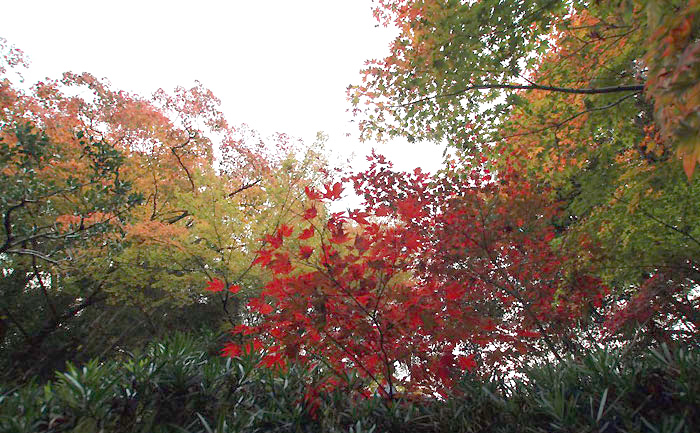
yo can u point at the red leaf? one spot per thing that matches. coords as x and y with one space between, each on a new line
284 231
243 329
254 346
444 364
310 213
466 362
263 258
338 235
260 306
273 360
274 241
333 192
311 193
305 251
454 291
361 244
359 217
363 299
231 350
528 334
215 285
234 288
307 233
281 264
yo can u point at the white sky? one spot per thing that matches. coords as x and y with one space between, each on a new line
277 65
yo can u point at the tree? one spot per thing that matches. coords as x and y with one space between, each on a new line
525 250
596 101
433 277
113 208
456 67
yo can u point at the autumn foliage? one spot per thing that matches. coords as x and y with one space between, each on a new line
564 220
556 231
434 277
113 208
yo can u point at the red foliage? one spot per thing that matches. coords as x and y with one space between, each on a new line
435 277
215 285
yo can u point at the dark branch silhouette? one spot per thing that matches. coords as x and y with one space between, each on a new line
533 86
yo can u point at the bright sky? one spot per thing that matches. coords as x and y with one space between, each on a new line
277 65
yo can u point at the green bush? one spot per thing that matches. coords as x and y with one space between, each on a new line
178 386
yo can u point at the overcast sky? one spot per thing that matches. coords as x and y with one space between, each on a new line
277 65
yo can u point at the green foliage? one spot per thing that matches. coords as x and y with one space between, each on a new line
176 386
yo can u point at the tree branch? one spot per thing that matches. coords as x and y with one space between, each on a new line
561 123
244 187
533 86
660 221
37 275
180 146
8 225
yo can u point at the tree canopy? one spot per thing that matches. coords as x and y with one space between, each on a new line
566 221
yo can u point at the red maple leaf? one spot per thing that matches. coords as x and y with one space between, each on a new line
454 291
305 251
231 350
215 285
525 333
259 305
273 360
284 231
311 193
466 362
307 233
281 264
234 288
310 213
274 241
243 329
362 244
338 235
333 192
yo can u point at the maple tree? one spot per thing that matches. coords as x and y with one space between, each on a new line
435 276
570 118
456 67
596 101
113 208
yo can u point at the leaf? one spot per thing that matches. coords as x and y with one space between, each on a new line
466 362
310 213
284 231
306 233
280 264
362 243
260 306
305 252
275 241
333 192
215 285
311 193
454 291
231 350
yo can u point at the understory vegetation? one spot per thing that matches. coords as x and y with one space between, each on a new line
176 385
